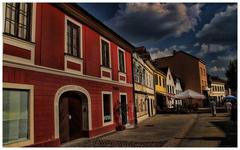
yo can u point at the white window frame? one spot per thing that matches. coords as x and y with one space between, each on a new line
122 93
20 43
111 109
103 68
124 59
31 112
69 57
119 72
67 18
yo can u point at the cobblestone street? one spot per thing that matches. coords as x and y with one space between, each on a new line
210 131
171 130
160 130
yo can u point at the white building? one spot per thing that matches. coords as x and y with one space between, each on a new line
170 87
143 85
217 91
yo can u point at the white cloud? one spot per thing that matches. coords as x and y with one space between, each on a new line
216 69
221 29
212 48
196 44
152 21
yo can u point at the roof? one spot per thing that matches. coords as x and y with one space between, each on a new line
83 16
176 52
217 80
164 69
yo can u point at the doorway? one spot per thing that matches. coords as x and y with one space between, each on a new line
72 112
124 109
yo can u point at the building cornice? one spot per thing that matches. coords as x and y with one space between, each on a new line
84 17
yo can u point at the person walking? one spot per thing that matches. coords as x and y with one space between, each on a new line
229 107
213 107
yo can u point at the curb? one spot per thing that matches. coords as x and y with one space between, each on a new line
176 140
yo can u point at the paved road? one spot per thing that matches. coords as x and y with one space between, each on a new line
157 131
210 131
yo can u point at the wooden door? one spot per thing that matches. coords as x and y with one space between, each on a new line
63 120
123 109
75 121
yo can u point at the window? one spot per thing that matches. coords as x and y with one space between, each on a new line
143 77
155 79
17 114
121 61
105 54
160 81
164 82
107 108
18 20
73 39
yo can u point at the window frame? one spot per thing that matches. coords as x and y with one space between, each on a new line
29 87
30 18
111 108
124 60
80 40
101 51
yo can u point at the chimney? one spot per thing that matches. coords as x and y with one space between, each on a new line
174 52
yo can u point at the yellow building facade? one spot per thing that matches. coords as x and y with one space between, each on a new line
160 89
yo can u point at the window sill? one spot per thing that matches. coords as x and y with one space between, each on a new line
9 36
75 57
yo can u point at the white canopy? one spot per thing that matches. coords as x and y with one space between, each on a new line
189 94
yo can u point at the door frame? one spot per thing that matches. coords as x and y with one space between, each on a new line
125 94
58 94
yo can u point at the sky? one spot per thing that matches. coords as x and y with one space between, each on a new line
205 30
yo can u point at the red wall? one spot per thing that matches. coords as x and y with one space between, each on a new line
51 39
45 88
49 52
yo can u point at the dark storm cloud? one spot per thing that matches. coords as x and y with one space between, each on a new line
140 22
222 29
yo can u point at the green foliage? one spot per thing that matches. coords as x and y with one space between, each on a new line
231 75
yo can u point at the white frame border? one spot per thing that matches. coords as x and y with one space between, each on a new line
111 100
29 87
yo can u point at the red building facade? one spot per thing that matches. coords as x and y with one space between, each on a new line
65 75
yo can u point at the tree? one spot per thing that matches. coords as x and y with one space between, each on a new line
231 75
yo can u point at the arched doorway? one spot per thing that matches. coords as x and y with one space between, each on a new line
72 113
72 116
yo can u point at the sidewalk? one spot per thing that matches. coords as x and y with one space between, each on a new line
210 131
161 130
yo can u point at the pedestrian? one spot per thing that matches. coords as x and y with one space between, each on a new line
229 107
213 107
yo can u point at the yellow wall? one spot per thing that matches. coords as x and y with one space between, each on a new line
158 88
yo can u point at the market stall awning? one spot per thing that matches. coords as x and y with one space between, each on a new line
189 94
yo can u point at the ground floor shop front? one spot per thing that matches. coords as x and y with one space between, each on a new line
48 108
145 105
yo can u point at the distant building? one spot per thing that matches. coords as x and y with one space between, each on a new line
217 91
160 89
143 84
178 88
170 87
191 70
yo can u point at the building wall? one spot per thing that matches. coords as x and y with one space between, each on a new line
144 89
185 67
45 88
47 73
217 92
203 76
160 88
